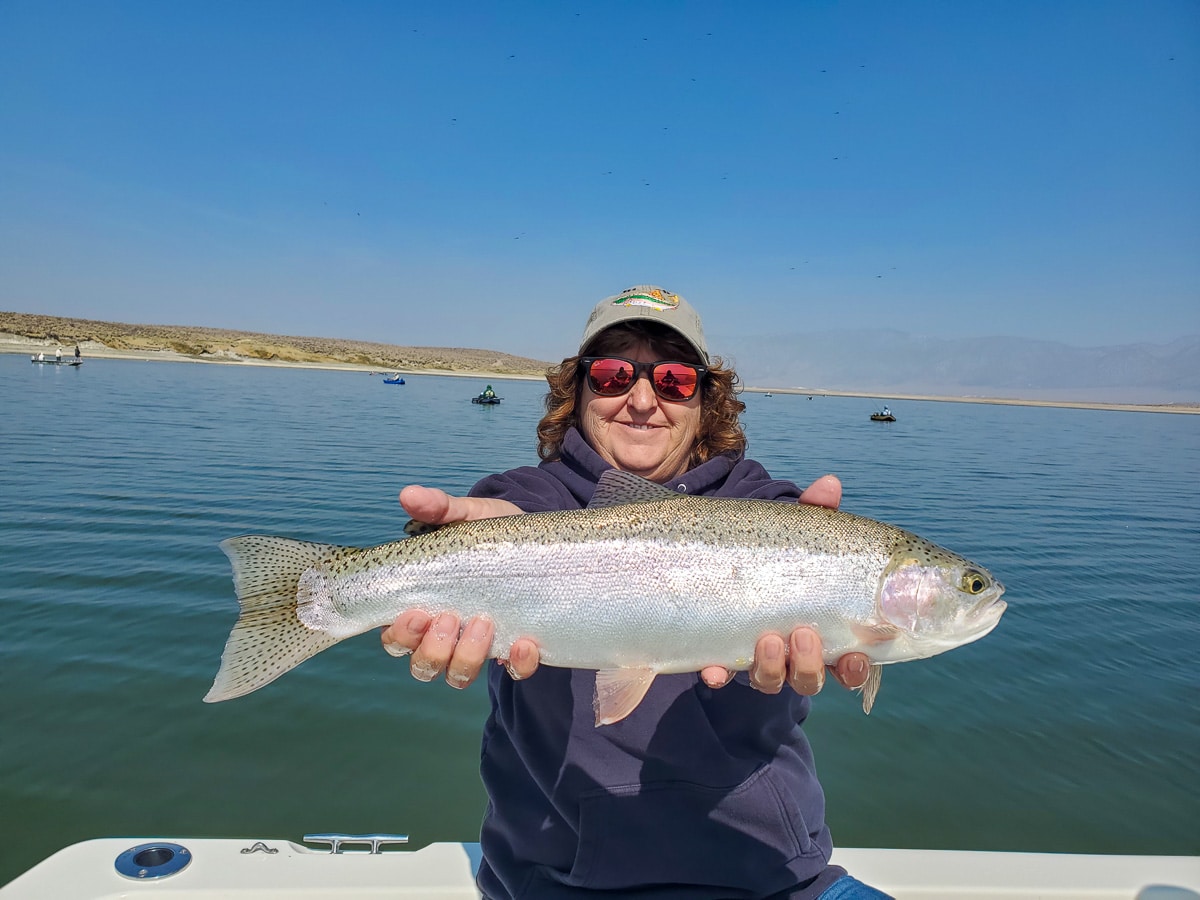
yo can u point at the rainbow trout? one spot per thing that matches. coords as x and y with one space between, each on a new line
641 582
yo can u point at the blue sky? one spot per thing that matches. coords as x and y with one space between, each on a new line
479 174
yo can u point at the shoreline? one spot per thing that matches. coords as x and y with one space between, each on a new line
94 350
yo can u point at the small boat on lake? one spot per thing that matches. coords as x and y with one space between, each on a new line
883 415
55 362
487 397
393 379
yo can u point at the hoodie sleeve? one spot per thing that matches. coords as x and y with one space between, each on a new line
751 481
530 488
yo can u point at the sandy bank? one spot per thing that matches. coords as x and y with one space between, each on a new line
11 343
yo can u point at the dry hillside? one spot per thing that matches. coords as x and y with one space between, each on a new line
215 343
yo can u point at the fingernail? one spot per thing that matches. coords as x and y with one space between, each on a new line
804 641
396 649
418 623
773 651
445 627
512 673
856 667
477 631
422 670
456 680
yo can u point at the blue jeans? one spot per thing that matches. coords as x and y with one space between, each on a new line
847 888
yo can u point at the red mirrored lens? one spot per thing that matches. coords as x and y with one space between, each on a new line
675 381
610 377
613 376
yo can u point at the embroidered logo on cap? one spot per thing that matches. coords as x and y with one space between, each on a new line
655 298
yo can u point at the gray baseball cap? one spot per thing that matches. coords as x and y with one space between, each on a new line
650 303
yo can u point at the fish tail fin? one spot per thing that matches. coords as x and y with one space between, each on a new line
870 687
268 639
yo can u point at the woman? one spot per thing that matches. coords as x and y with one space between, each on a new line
700 793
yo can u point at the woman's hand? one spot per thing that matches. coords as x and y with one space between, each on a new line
797 660
435 643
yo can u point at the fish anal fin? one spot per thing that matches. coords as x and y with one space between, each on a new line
619 691
617 488
870 687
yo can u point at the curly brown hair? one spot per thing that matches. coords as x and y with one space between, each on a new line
720 410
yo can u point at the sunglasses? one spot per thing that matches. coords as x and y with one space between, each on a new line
612 376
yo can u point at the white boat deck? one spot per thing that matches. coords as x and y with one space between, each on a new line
272 870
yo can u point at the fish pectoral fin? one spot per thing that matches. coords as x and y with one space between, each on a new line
870 687
619 691
876 632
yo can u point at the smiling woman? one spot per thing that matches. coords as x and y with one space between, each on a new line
705 761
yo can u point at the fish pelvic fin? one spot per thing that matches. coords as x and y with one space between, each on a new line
619 691
268 638
870 687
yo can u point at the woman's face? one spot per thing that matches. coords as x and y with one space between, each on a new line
639 431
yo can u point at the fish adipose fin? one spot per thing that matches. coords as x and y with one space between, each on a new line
870 687
268 638
412 527
617 488
619 691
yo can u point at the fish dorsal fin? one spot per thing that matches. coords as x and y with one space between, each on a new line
619 691
616 488
870 687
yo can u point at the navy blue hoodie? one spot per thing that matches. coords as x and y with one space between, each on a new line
698 794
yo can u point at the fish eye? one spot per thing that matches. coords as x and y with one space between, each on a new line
973 582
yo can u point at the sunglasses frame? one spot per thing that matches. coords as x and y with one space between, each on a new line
640 368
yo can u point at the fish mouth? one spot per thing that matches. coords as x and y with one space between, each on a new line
986 613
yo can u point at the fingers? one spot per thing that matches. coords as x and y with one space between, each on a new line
426 504
435 507
523 659
770 667
851 670
404 635
825 491
437 646
716 676
806 666
471 653
798 662
433 654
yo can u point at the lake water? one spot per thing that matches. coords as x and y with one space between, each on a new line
1073 727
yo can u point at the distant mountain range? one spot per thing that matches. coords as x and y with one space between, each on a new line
887 363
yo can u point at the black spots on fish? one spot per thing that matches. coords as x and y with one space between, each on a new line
617 488
916 547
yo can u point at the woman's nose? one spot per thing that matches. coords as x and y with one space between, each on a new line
641 395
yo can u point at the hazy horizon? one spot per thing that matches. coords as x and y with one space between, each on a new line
884 363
